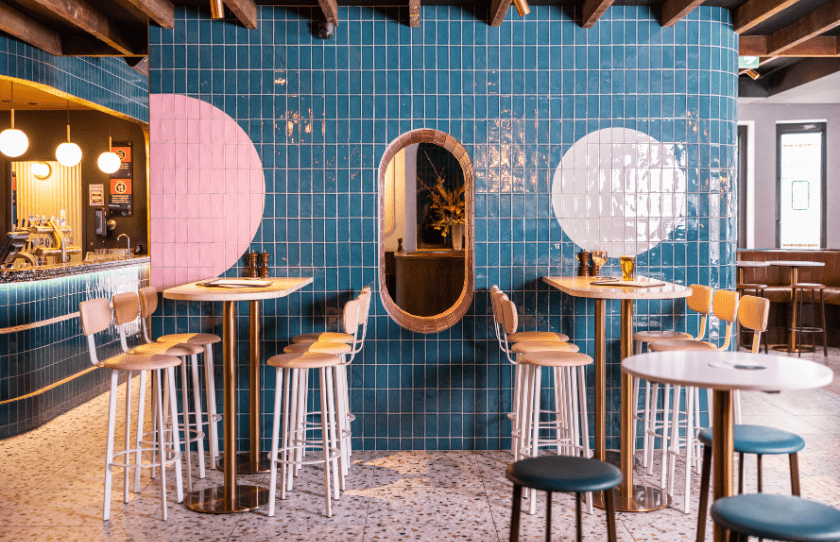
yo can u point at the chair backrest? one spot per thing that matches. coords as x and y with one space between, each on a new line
95 316
126 311
510 318
725 306
753 313
148 306
364 312
350 316
700 301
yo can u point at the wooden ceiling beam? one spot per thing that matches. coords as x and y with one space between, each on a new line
330 9
592 11
414 13
755 12
817 22
674 10
498 10
246 11
820 46
29 30
160 11
81 15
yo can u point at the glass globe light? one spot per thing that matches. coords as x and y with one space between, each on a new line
13 142
68 154
41 170
108 162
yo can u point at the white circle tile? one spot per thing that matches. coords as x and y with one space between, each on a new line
620 188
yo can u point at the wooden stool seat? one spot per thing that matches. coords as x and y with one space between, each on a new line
676 346
527 347
320 347
304 360
327 336
557 359
141 362
651 336
167 349
537 336
201 339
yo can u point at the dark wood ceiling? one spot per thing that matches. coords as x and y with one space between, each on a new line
795 40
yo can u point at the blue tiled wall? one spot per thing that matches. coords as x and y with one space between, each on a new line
35 358
321 114
106 81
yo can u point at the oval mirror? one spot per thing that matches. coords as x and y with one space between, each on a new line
426 239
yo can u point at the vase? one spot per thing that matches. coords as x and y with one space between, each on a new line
457 232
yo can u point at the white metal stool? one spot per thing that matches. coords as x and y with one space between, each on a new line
570 419
700 301
95 316
126 311
148 305
292 370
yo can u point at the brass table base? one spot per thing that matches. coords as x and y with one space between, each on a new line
244 465
212 500
784 348
643 499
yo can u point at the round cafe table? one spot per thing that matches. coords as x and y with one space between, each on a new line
232 497
725 372
631 498
794 266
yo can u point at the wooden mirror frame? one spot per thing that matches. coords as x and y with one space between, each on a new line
448 318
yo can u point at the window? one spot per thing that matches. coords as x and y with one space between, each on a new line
800 185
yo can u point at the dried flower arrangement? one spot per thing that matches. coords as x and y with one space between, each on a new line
447 204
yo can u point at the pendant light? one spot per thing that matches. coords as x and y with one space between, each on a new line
108 161
68 154
13 142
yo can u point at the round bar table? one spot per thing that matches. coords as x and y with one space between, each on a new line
794 266
631 498
232 497
725 372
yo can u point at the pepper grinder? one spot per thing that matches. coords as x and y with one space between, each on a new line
264 269
252 264
583 258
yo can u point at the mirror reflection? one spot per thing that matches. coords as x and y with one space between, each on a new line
426 251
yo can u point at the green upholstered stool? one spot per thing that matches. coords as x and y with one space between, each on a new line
777 517
565 474
748 439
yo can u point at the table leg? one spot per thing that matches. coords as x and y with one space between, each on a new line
628 496
722 450
253 461
794 278
600 379
231 497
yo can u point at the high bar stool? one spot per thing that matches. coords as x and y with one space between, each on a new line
725 308
799 291
777 517
126 311
510 323
95 316
337 337
700 301
570 422
148 306
567 475
748 439
291 379
352 314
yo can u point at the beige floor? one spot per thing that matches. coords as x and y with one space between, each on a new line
51 489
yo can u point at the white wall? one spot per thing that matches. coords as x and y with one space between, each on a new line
765 117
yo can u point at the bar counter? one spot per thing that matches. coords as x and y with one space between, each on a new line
44 365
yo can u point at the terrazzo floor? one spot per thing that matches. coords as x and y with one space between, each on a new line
51 489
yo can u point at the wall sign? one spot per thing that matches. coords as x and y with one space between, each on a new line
122 199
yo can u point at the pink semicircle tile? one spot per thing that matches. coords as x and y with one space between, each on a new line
187 172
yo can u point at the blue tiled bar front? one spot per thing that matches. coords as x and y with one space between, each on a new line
321 114
38 356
